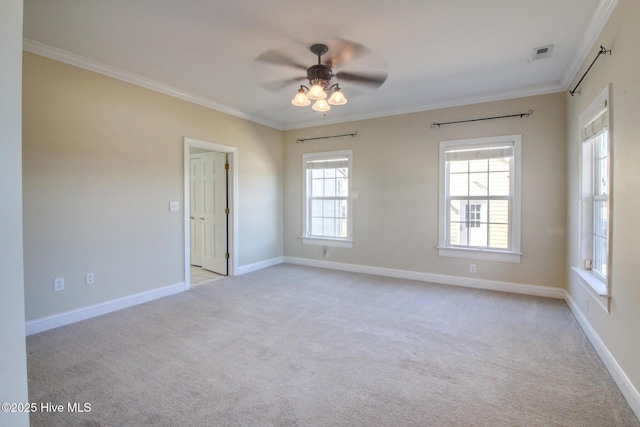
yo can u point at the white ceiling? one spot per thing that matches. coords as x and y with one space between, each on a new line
437 53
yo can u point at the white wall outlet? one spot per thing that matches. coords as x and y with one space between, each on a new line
472 268
325 252
58 284
174 206
90 278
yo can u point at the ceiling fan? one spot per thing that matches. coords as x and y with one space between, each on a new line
321 75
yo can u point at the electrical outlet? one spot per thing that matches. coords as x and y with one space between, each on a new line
325 252
472 268
90 278
58 284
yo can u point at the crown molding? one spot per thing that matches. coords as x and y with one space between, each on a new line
125 76
597 22
458 102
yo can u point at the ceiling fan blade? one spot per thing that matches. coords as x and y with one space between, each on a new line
370 79
342 51
279 58
278 85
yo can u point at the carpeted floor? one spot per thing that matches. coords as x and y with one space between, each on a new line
299 346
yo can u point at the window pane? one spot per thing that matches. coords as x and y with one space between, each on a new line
316 208
499 236
478 184
477 235
499 211
329 173
457 167
455 210
478 165
454 233
459 185
600 255
316 226
342 187
501 164
343 209
329 208
499 184
601 184
317 187
600 214
329 227
329 187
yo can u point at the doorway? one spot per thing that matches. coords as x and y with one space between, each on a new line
210 207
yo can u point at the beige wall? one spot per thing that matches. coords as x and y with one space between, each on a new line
102 160
619 329
395 187
13 362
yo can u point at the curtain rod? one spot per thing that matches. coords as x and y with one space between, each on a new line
299 140
602 51
521 115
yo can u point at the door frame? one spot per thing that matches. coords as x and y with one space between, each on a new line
232 194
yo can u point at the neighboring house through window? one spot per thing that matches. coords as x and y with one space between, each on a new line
327 213
480 198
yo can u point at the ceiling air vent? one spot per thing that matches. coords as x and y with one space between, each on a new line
542 52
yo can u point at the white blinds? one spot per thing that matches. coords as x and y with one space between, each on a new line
479 152
596 126
328 163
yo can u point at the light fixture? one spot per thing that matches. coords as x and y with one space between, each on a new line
320 82
337 97
319 77
321 105
317 93
301 99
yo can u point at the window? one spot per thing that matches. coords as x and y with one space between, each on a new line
327 198
595 170
480 198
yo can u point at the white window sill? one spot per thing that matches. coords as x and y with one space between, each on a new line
593 282
323 241
480 254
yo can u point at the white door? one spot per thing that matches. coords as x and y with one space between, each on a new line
208 214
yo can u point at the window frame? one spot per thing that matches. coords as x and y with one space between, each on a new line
346 242
595 281
510 255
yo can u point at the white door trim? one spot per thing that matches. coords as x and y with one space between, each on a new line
233 203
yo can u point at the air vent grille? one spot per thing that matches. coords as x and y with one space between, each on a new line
542 52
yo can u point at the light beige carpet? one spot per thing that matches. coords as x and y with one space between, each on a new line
298 346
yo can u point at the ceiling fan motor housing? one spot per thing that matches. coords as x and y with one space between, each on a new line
319 74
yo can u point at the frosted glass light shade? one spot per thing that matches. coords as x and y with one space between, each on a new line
316 92
321 105
337 98
301 99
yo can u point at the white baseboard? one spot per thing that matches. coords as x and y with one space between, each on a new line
492 285
258 266
624 384
68 317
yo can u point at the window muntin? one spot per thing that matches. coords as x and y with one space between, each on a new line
479 198
327 188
